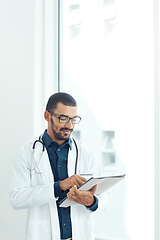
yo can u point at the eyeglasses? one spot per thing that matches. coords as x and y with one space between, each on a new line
65 119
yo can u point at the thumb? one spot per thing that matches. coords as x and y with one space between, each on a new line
93 190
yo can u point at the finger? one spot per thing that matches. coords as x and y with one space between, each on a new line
79 181
74 191
74 179
71 197
72 194
93 190
82 178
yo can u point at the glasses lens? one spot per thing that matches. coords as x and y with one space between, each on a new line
76 120
64 119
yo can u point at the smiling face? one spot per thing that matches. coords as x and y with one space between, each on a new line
60 132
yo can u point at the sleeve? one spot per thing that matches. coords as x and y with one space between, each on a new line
57 190
27 188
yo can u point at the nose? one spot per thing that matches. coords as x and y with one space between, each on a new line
70 125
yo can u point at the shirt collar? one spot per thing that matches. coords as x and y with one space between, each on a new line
47 141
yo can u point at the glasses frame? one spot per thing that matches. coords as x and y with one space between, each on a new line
59 117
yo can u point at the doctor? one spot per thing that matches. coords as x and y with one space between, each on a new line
51 167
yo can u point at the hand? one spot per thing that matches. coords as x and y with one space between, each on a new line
82 197
70 182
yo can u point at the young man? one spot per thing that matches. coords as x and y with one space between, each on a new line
51 167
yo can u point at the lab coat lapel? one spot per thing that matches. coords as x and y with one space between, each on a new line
71 160
43 164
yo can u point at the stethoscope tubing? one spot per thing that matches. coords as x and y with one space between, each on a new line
43 149
39 140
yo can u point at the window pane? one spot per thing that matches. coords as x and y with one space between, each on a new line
107 65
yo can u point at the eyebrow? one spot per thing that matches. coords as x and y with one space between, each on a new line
62 115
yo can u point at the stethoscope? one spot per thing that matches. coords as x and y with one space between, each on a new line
43 149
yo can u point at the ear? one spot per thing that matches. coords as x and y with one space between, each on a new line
47 116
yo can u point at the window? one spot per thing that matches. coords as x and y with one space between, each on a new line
102 51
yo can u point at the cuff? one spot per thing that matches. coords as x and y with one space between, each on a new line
57 189
94 206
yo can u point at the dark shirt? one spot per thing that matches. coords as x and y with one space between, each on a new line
58 156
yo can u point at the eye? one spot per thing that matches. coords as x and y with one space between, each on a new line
74 120
63 118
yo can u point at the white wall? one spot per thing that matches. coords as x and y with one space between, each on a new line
16 100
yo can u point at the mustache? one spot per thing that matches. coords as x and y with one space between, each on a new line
68 129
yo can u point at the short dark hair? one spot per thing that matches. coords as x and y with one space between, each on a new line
60 97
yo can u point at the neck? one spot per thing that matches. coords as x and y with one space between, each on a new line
51 135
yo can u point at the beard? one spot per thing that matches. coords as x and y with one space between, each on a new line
58 135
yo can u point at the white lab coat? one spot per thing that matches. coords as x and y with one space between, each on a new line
32 188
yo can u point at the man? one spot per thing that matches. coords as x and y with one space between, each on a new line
50 168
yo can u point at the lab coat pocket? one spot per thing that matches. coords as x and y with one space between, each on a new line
36 178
